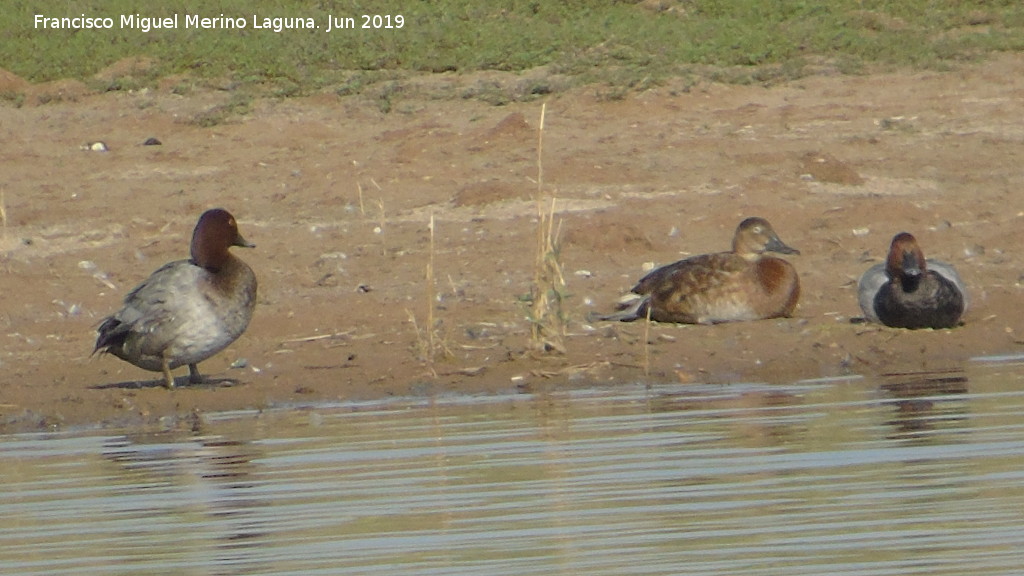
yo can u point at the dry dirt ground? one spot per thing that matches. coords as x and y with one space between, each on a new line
338 196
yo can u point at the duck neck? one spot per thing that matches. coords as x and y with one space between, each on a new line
208 254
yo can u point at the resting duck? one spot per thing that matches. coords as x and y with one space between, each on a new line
188 310
743 284
908 291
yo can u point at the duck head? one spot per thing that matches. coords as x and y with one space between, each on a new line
755 236
905 264
214 234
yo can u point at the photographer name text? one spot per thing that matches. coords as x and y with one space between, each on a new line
221 22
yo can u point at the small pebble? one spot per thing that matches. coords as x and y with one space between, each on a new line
95 147
975 250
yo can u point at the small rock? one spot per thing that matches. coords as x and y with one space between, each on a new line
824 167
474 371
976 250
896 122
96 147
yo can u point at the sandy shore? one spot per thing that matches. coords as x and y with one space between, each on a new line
338 197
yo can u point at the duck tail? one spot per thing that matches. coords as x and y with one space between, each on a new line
111 334
630 307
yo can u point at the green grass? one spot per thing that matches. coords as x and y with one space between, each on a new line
619 44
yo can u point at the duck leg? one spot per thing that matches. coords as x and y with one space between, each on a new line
193 374
165 365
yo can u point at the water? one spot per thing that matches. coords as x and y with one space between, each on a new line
913 474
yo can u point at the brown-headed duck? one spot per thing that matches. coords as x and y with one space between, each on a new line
908 291
743 284
188 310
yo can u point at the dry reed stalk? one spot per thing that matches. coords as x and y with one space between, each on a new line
428 341
317 337
380 228
647 342
421 341
383 218
547 329
430 297
3 210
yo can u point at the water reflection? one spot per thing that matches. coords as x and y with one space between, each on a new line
767 416
218 474
907 474
925 402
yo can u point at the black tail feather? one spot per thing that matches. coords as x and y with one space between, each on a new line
629 311
112 334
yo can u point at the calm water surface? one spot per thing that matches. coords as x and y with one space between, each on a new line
913 474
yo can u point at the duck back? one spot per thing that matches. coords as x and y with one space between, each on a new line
722 287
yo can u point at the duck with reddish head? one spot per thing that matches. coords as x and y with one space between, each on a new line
909 291
188 310
742 284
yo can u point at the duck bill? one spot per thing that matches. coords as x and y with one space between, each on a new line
242 242
911 265
777 245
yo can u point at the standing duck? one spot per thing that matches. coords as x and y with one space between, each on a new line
908 291
743 284
188 310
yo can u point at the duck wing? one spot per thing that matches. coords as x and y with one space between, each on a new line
696 273
148 312
871 281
